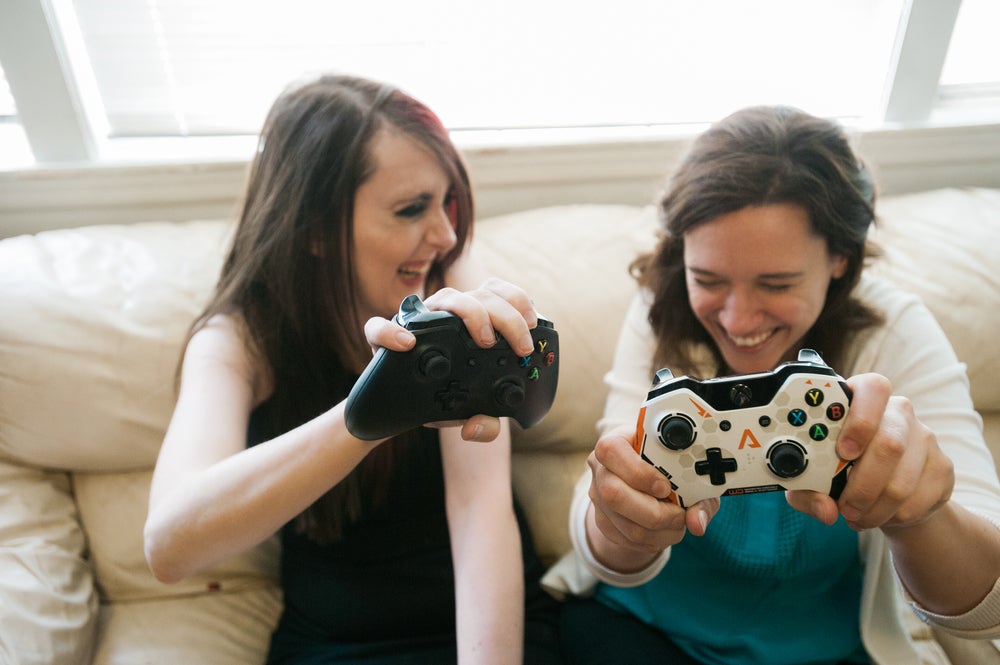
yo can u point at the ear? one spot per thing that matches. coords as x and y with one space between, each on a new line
838 266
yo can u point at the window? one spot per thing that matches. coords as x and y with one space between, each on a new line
974 55
970 78
8 110
125 72
196 68
13 143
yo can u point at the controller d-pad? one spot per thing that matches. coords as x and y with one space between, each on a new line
451 396
715 466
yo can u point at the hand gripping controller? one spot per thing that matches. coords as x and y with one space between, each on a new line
446 376
745 434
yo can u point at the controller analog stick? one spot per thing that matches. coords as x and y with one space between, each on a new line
510 394
677 432
434 364
787 459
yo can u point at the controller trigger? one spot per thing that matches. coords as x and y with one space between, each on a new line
662 375
810 356
411 306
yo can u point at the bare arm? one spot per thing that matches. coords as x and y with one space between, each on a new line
486 548
212 497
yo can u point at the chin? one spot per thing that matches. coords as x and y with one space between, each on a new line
750 361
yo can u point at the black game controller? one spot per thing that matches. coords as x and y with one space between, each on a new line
745 434
446 376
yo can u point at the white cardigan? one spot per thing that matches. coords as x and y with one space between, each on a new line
913 352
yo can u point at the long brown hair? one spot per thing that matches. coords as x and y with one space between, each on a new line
289 276
760 156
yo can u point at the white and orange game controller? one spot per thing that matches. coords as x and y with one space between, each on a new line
746 434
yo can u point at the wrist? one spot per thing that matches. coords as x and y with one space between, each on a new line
621 558
619 565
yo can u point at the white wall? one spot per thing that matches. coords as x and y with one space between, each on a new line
507 179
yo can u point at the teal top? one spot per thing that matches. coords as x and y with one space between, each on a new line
766 584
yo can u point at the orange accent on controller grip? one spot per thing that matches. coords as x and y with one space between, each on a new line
640 433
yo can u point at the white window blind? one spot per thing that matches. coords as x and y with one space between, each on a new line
195 68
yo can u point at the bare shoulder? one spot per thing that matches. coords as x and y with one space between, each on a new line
223 348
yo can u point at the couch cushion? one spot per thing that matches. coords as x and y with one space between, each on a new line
90 336
47 596
573 261
221 629
113 510
942 245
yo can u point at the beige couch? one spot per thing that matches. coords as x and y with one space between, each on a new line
90 327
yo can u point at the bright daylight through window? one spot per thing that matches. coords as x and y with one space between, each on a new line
170 69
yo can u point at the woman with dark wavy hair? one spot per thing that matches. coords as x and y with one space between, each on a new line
762 254
402 550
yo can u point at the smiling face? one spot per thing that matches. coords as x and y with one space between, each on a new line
757 279
401 222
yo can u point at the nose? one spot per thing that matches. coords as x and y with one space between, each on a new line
441 231
739 313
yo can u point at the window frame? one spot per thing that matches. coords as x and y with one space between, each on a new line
59 110
939 144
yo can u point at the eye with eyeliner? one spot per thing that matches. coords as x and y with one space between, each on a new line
413 210
418 206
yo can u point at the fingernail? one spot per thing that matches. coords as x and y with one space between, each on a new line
476 431
488 336
703 520
850 514
849 448
528 345
405 338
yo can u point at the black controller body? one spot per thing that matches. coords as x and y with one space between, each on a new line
745 434
446 377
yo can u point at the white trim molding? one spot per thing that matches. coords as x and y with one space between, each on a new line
507 179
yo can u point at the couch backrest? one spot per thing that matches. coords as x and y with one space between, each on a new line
93 318
92 324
